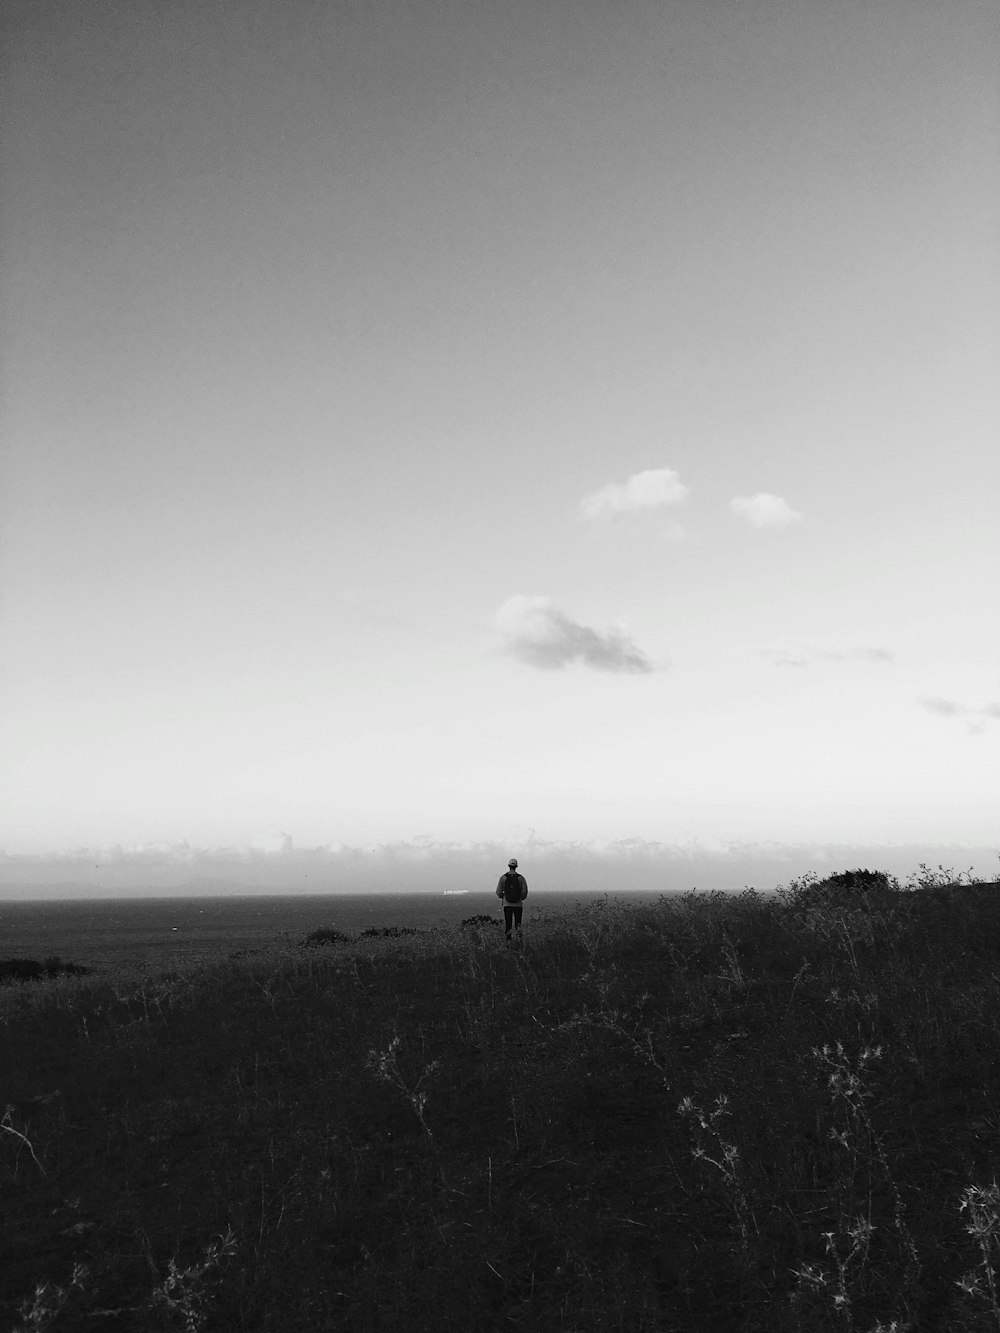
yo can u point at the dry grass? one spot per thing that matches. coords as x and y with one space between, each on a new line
711 1112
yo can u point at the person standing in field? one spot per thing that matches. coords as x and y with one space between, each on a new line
512 890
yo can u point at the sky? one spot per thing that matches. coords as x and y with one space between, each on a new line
455 422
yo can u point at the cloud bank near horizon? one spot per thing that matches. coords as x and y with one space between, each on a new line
536 632
432 865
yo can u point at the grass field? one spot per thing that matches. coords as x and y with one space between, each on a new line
176 932
707 1112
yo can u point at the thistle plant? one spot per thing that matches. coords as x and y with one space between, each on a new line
386 1068
848 1252
48 1301
982 1204
637 1038
848 1246
711 1148
185 1291
8 1127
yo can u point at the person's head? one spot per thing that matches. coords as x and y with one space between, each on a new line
512 863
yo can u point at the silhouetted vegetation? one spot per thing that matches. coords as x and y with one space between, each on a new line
483 921
756 1112
388 932
29 969
860 881
325 935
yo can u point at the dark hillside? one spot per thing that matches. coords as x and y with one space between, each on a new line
708 1113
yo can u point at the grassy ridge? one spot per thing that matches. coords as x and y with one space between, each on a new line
712 1112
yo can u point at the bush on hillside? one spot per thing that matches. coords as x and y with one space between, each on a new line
388 932
846 888
29 969
858 881
325 935
942 877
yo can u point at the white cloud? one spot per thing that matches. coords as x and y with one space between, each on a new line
656 488
537 633
946 707
865 653
764 510
951 708
803 653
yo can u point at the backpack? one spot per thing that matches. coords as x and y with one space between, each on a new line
511 887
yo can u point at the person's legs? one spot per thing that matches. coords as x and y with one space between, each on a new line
518 909
508 917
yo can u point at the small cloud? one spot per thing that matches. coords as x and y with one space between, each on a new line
540 635
865 653
782 655
952 708
946 707
657 488
764 510
858 653
798 653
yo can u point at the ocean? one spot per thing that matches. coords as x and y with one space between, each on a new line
170 932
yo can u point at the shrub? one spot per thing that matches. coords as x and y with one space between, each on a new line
55 967
29 969
857 881
473 922
20 969
325 935
848 886
388 932
944 877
